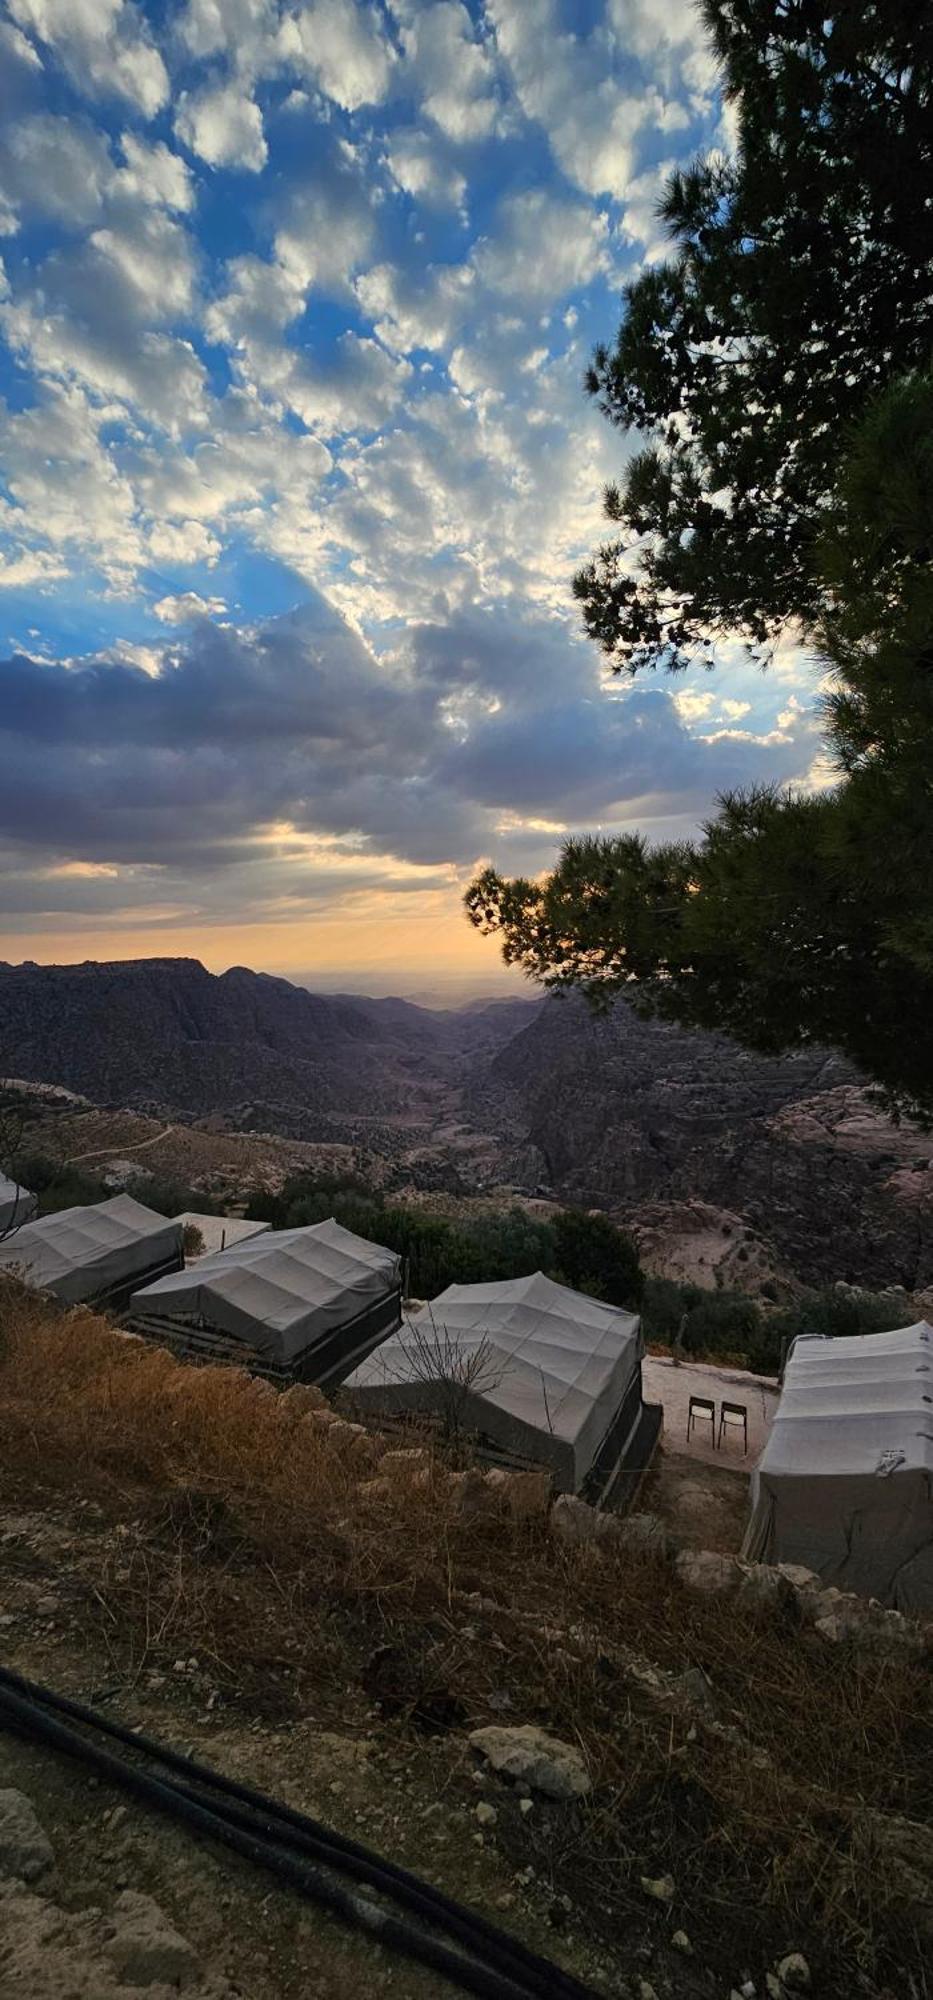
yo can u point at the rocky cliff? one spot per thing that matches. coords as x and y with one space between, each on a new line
627 1114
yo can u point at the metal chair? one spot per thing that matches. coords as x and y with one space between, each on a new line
701 1408
733 1414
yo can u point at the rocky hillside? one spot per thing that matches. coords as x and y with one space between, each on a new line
632 1114
167 1035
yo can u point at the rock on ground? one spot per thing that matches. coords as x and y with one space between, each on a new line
708 1574
25 1848
145 1947
545 1763
53 1954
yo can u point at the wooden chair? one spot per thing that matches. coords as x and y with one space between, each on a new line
733 1414
699 1409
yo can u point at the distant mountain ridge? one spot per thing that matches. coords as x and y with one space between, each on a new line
166 1032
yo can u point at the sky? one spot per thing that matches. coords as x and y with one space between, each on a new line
296 466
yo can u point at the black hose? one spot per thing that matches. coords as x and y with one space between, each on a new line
500 1966
333 1848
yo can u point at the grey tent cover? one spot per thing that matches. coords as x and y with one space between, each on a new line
845 1484
16 1204
80 1253
554 1368
279 1291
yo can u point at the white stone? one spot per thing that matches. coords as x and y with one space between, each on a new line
485 1813
663 1888
545 1763
708 1574
794 1972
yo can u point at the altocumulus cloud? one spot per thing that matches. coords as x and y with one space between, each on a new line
295 300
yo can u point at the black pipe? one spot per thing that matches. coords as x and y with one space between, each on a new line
510 1971
334 1849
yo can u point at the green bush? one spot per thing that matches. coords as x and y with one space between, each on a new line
585 1251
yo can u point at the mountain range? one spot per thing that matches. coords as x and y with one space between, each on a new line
720 1160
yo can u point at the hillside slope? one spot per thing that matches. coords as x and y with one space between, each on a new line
310 1610
626 1113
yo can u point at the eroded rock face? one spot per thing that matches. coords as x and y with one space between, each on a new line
529 1754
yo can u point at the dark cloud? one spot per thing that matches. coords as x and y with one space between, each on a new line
434 756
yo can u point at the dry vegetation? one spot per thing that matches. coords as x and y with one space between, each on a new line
253 1533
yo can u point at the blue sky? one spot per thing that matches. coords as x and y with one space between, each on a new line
296 467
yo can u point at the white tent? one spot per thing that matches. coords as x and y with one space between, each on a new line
539 1372
845 1484
302 1301
16 1205
94 1254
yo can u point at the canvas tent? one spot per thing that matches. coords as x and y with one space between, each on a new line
845 1484
94 1255
539 1374
16 1205
294 1304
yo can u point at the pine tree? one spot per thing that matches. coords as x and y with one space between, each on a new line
800 285
798 919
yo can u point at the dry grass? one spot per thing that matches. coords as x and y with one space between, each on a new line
245 1535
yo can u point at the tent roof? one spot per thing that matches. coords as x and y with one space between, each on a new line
847 1403
16 1202
549 1355
109 1241
295 1284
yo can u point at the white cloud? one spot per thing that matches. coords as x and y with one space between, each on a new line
21 568
326 228
56 167
734 710
417 163
694 707
452 70
67 493
182 609
342 47
105 45
592 102
154 175
223 125
416 309
153 258
543 247
237 27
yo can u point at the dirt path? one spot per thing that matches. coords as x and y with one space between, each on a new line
104 1152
